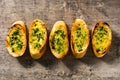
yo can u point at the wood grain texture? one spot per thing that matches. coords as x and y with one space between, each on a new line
69 68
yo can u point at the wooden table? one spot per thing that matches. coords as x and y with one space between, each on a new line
69 68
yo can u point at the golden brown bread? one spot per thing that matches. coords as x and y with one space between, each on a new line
58 39
37 38
16 39
101 39
80 36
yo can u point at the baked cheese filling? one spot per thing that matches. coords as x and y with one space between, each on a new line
81 37
58 41
37 36
101 38
15 40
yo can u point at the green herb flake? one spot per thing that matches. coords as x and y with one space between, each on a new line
37 35
58 41
100 38
15 42
80 38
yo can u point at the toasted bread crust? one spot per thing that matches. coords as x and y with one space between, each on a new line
64 28
37 55
99 55
23 27
82 53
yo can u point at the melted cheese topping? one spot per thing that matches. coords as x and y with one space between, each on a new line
81 37
101 38
37 36
58 41
16 39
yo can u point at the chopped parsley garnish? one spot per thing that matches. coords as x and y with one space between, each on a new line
80 36
37 37
61 33
58 41
37 45
100 38
15 41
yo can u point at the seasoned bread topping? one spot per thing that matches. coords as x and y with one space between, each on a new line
101 38
37 35
58 41
81 35
15 39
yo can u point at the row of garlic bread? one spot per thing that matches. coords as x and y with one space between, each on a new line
16 40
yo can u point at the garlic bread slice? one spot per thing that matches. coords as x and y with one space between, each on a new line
80 37
37 38
58 39
101 38
16 39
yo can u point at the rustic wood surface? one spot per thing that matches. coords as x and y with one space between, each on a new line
69 68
